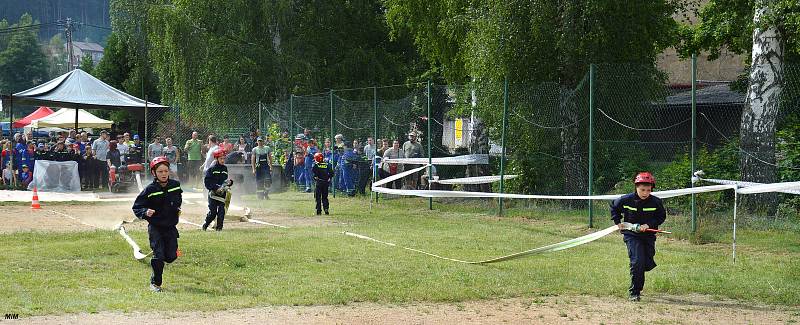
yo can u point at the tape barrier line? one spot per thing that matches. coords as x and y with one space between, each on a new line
774 187
464 194
472 180
137 252
479 159
744 184
398 176
265 223
540 250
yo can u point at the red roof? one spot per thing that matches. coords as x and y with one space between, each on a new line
37 114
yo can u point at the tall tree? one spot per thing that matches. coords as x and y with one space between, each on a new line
767 32
22 62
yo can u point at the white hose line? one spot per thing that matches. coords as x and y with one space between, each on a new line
544 249
265 223
139 181
137 252
182 220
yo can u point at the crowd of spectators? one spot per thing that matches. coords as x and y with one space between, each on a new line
354 161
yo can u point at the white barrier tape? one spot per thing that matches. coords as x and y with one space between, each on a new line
540 250
480 159
137 252
744 184
472 180
398 176
265 223
464 194
774 187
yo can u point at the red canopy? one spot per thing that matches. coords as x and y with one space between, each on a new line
39 113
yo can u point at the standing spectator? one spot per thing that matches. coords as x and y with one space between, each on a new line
327 151
28 157
113 158
100 149
172 154
90 176
193 148
84 142
135 151
123 148
242 146
9 179
155 149
412 149
311 150
226 145
212 145
126 137
389 169
384 145
6 153
371 151
19 149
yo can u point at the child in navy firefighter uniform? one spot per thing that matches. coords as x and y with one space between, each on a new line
641 211
217 183
323 172
160 205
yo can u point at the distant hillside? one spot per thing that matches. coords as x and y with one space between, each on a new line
91 12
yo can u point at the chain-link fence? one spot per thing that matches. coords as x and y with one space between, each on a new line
591 137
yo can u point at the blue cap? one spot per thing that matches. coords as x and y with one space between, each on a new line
136 137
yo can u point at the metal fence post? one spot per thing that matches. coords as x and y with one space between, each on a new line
503 146
694 135
428 135
291 117
374 136
333 139
591 143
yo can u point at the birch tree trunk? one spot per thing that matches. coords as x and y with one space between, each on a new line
574 168
757 132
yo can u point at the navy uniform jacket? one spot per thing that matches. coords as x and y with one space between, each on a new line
166 201
630 208
323 172
215 176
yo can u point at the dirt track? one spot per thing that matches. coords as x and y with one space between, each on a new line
543 310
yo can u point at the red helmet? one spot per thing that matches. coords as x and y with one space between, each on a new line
156 161
318 157
645 177
219 153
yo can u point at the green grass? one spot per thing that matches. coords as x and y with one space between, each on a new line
52 273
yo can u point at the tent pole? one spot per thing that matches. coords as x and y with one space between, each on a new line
77 107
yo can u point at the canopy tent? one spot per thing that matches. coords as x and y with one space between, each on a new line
41 112
78 89
64 118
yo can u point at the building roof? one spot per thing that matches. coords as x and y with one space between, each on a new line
91 47
714 94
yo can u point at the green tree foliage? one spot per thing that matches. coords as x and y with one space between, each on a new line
729 24
87 64
241 52
22 61
543 49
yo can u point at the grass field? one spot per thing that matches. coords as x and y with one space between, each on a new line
54 273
